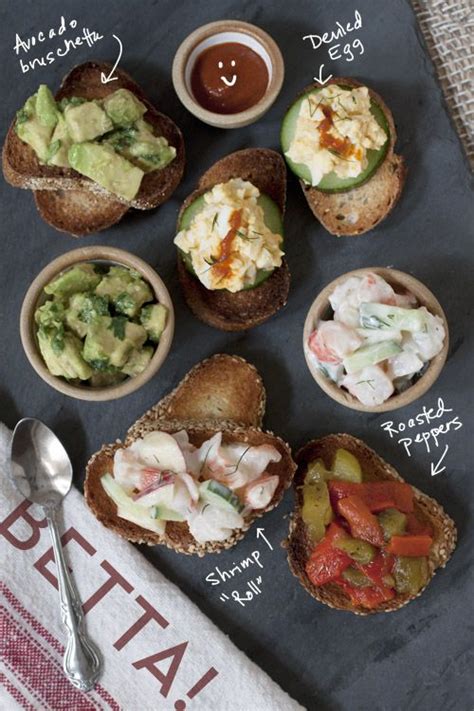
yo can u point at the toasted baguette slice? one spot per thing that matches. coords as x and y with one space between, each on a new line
374 468
78 212
222 388
223 393
358 210
22 169
177 535
245 309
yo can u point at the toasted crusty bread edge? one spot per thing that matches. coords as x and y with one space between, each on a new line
177 535
220 388
78 212
359 210
22 169
374 468
219 308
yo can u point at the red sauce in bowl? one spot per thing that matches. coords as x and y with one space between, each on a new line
229 78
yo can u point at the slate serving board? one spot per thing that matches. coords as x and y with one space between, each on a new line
419 657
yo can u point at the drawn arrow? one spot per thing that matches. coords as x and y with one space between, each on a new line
434 469
105 79
260 534
320 79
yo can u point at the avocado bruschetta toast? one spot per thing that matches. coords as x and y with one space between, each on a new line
93 151
339 140
196 470
231 261
361 538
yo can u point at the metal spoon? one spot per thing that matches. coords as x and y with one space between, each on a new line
42 472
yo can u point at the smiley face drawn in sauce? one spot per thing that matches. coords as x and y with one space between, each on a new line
228 78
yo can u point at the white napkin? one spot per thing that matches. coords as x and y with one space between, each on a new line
156 644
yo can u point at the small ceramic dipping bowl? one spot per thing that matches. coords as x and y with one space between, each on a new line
401 282
35 297
221 32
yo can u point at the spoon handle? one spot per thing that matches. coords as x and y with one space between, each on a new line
81 664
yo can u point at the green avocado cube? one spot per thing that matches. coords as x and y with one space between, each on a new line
86 121
63 358
50 315
81 277
60 143
125 289
46 109
138 360
123 107
109 341
31 131
103 165
153 318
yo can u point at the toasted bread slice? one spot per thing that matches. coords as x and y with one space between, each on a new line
374 468
245 309
78 212
177 535
223 393
356 211
22 169
222 388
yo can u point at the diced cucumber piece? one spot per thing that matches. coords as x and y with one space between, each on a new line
213 492
370 355
383 316
128 509
165 514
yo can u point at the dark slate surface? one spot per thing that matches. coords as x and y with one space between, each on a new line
420 657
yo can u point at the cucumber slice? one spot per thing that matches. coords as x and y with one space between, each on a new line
370 355
165 514
332 183
128 509
213 492
273 220
384 317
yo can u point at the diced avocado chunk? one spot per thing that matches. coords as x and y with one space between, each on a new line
83 309
139 145
32 132
103 165
46 109
109 341
66 361
138 360
125 289
81 277
123 107
50 315
153 318
86 121
60 143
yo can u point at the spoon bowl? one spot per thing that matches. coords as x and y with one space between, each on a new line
40 466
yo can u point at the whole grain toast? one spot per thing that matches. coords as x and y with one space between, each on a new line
22 169
223 393
239 311
360 209
375 468
78 212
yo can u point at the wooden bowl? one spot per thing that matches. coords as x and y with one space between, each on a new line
35 296
400 281
217 33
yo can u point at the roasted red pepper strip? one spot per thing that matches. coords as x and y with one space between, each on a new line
417 527
366 597
327 562
411 546
378 495
362 522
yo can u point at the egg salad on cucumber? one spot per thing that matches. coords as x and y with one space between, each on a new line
163 477
377 342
